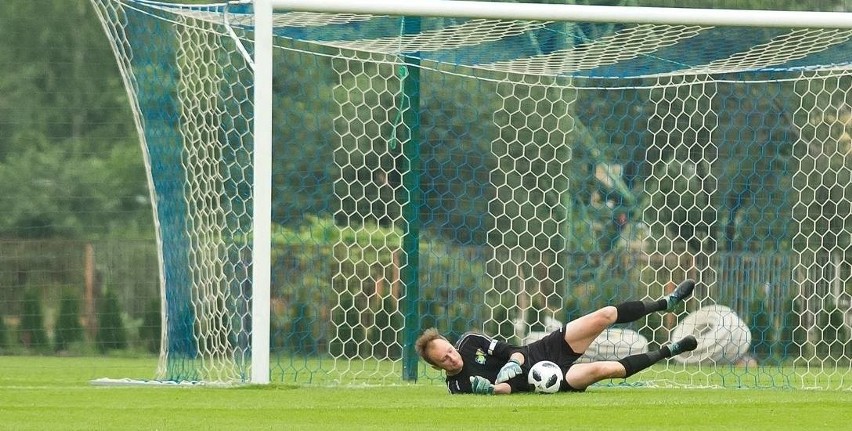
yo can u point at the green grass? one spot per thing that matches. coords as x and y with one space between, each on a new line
43 393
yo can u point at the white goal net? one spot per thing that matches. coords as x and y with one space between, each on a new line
499 176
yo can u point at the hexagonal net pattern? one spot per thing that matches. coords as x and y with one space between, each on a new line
191 92
497 176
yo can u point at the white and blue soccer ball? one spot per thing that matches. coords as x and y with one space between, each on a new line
545 377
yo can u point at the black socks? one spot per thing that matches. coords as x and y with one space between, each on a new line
634 310
636 363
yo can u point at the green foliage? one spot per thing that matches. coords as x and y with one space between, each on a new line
763 331
68 328
388 323
151 330
834 332
452 288
64 189
4 335
349 329
794 334
32 332
826 343
68 151
68 155
112 334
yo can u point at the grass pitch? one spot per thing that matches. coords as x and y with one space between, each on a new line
44 393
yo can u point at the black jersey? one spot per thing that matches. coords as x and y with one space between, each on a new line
484 357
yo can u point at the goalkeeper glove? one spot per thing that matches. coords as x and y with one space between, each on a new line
510 370
481 385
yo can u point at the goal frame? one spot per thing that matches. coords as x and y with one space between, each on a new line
567 12
263 72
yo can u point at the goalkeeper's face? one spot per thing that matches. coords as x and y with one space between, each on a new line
445 356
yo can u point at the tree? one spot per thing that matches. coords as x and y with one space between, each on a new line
150 333
32 332
68 327
4 335
112 334
68 148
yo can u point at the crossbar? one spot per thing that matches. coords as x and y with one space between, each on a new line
576 13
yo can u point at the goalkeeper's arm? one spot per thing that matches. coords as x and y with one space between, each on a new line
511 369
502 389
481 385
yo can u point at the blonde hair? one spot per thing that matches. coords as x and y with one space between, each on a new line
423 341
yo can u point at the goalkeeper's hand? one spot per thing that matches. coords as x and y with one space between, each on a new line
481 385
510 370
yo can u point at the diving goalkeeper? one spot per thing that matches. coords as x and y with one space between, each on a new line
481 365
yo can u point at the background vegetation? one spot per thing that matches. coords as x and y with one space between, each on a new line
71 174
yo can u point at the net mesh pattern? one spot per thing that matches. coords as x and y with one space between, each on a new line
497 176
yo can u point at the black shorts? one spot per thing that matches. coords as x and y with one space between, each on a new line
553 348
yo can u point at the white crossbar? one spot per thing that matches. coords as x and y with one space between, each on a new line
576 13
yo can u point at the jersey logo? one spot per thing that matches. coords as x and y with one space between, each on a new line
480 357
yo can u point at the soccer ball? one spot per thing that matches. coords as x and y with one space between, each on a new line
545 377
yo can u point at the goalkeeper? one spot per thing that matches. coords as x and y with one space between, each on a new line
478 364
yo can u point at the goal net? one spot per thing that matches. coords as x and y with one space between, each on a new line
502 176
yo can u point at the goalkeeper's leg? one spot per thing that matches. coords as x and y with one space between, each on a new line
634 310
580 376
581 332
636 363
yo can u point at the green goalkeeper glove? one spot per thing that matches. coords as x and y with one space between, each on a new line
510 370
481 385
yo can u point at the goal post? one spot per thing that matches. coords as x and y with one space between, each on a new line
332 177
262 226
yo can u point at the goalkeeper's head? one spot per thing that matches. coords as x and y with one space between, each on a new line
435 349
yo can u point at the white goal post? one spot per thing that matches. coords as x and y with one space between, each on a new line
261 247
